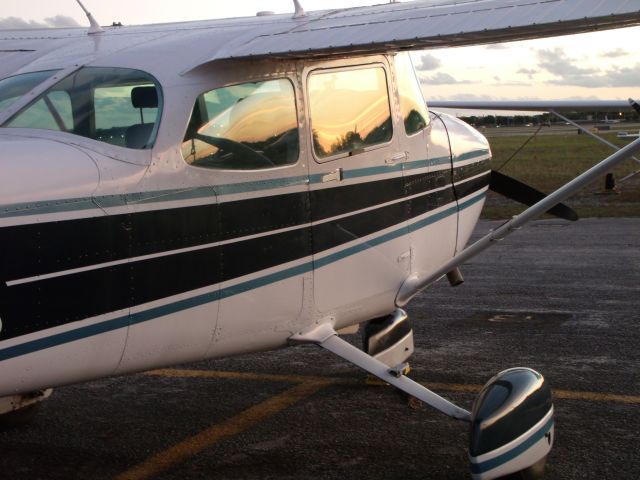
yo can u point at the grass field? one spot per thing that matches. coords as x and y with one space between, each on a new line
549 161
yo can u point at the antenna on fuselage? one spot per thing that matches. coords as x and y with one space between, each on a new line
94 27
299 10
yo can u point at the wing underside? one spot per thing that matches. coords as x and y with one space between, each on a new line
365 30
423 25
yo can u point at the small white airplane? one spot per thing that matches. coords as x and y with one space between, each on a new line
171 193
607 120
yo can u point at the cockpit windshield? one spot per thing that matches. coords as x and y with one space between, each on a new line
12 88
119 106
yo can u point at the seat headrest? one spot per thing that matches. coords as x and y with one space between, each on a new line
144 97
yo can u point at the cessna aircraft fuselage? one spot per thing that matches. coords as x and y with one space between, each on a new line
171 193
121 256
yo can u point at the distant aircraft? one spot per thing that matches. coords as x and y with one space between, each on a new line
176 192
615 120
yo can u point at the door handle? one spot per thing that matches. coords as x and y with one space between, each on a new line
335 176
398 157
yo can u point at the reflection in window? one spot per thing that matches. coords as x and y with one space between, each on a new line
51 112
349 110
412 105
244 127
12 88
114 105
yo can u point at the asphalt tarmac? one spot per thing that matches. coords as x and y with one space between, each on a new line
560 298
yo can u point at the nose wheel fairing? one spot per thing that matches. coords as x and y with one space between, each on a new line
512 424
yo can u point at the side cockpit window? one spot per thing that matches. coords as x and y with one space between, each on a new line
118 106
244 127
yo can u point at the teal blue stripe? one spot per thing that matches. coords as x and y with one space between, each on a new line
110 201
107 201
472 154
151 314
432 162
382 169
266 280
510 455
65 337
261 185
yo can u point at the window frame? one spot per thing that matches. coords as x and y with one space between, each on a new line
415 75
249 79
13 100
344 68
153 136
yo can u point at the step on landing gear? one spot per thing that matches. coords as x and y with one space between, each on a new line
512 428
390 340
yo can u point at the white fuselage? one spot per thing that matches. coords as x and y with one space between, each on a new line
121 260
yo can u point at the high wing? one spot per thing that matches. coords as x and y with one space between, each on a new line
365 30
423 25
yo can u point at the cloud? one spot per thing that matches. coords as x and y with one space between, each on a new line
618 52
59 21
429 62
442 78
567 72
558 63
529 72
614 77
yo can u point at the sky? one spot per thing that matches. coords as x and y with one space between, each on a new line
603 65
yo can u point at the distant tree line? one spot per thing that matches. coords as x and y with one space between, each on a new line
546 119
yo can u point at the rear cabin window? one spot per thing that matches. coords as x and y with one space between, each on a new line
118 106
412 104
244 127
349 110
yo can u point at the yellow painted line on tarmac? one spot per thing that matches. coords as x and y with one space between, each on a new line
560 394
447 387
304 387
596 397
233 426
223 375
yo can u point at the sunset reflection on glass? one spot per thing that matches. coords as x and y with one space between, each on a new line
349 110
244 127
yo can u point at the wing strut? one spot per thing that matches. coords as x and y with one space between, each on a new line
325 336
419 281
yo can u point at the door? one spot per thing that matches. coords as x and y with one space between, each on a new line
247 138
360 242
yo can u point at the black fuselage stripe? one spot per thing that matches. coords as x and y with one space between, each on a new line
34 306
45 248
468 187
69 298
